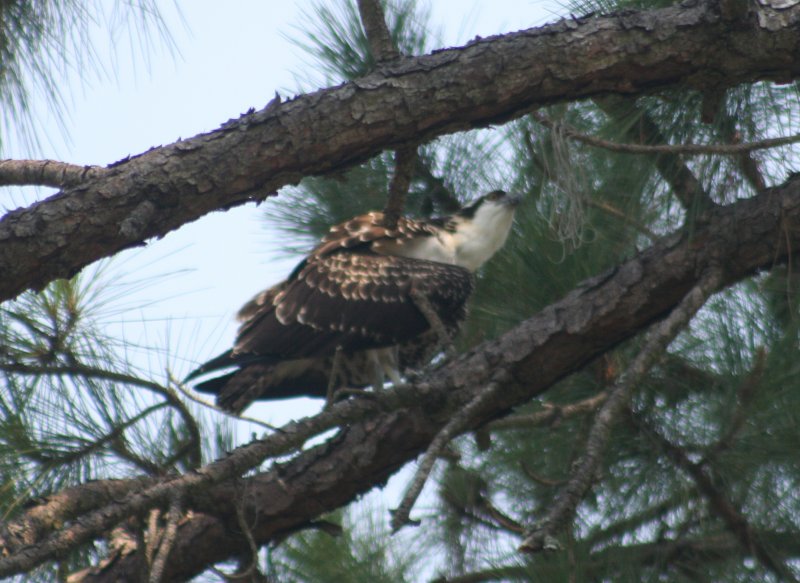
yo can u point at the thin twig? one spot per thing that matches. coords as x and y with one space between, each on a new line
614 211
195 399
46 173
79 369
686 149
567 499
549 482
551 413
400 516
376 31
672 166
167 538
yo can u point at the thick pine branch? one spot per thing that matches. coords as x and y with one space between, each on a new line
742 238
413 99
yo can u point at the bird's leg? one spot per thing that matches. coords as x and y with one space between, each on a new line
377 370
423 304
394 366
337 357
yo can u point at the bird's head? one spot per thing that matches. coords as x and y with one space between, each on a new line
481 228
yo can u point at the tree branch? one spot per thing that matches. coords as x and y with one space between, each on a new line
686 149
487 82
404 161
657 340
400 516
46 173
743 237
671 166
378 36
551 414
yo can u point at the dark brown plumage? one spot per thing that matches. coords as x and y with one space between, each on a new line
358 292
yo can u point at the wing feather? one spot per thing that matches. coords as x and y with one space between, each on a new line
353 300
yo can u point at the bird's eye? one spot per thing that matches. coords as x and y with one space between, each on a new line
495 195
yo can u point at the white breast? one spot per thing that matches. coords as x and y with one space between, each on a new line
439 248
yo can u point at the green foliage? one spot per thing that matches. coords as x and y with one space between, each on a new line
73 408
41 41
336 43
362 552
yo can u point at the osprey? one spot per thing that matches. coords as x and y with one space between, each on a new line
369 302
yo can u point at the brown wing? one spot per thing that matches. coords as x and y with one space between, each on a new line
350 300
368 228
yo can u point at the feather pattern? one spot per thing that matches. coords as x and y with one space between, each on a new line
357 293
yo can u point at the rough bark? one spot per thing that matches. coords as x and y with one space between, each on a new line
739 239
414 99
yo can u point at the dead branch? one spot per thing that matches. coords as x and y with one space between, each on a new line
459 422
567 499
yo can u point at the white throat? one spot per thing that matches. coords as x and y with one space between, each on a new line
470 245
476 240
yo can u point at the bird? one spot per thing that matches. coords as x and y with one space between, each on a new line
369 303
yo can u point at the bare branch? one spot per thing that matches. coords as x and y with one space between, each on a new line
378 36
167 539
404 162
459 422
46 173
552 413
686 149
657 340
